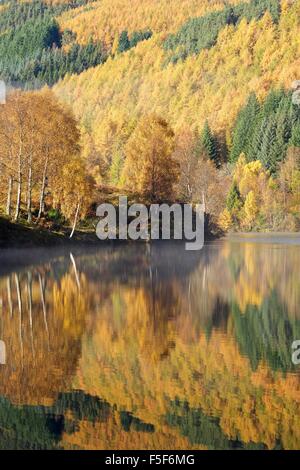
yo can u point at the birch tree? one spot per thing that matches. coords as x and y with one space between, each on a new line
150 167
13 117
37 138
58 142
75 192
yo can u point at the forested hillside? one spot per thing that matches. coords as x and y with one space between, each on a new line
34 50
106 19
213 78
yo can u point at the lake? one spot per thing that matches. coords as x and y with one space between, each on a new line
148 346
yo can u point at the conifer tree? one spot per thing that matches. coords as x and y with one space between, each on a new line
210 145
124 43
244 129
295 138
268 143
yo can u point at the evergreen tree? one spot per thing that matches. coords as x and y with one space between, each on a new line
138 36
124 43
265 132
295 138
272 102
202 33
210 144
243 132
254 145
266 155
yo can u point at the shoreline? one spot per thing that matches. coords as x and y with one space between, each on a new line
21 236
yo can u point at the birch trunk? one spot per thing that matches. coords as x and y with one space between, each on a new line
18 203
19 193
9 192
29 191
42 193
75 220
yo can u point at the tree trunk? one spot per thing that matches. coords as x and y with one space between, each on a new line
19 193
9 191
29 190
42 193
203 202
75 219
18 204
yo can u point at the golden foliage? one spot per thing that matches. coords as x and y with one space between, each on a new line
38 137
104 20
42 321
225 220
150 168
141 343
259 194
213 85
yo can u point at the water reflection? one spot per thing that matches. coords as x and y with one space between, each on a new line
152 347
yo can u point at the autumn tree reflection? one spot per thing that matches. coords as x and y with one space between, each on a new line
43 319
153 347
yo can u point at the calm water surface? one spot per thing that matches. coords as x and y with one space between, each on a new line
151 347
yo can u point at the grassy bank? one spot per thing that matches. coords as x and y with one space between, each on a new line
55 232
23 235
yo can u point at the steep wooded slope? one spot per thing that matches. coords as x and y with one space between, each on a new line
213 85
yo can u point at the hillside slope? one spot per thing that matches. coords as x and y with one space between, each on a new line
213 85
200 90
105 18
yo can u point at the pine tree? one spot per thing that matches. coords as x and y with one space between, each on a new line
243 132
295 138
274 139
272 102
124 43
254 146
210 145
266 154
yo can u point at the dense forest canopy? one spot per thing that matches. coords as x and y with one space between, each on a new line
31 41
220 74
202 33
